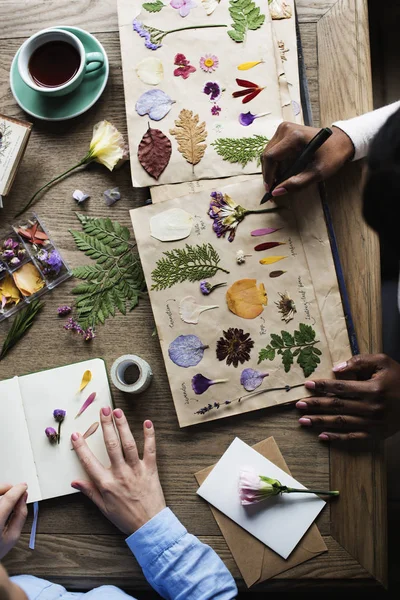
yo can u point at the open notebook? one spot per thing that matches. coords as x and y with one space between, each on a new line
26 406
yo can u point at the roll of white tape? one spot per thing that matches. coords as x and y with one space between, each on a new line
131 374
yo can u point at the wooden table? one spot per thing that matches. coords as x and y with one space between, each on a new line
76 546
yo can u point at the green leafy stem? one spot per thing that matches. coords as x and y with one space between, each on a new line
191 263
300 345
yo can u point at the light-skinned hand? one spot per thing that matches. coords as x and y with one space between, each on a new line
129 492
286 145
13 513
365 403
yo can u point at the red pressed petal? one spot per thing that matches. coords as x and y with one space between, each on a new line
245 83
252 95
267 246
242 93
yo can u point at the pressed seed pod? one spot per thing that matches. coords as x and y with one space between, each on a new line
268 246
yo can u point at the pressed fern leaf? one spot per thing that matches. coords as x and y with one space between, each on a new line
241 150
245 15
191 263
22 322
115 281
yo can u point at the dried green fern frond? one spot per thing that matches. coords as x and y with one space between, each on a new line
241 150
116 281
191 263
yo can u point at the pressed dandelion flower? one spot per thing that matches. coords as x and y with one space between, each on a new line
234 347
286 307
209 63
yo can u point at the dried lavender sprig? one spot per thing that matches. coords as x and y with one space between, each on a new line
206 409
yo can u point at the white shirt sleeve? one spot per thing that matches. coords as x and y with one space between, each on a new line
361 130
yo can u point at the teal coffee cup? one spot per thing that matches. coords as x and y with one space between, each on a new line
53 62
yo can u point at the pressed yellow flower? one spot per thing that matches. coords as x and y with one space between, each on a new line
28 279
107 146
9 293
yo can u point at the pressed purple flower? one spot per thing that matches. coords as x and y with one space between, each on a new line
89 334
59 414
226 215
72 325
215 110
212 89
51 434
8 255
251 379
10 244
248 118
21 253
200 384
206 288
183 6
152 37
64 310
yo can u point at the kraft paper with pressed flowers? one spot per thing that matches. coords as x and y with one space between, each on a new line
203 99
251 342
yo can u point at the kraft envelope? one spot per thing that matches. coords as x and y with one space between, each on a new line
256 561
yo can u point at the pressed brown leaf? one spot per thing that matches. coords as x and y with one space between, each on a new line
154 152
190 135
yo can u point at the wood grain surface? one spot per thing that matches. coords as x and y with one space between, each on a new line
76 546
343 56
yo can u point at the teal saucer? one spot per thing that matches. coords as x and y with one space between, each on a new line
65 107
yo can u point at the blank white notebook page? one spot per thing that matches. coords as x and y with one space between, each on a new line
279 522
16 458
57 465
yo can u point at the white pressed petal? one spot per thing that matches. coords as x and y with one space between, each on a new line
171 225
190 311
150 70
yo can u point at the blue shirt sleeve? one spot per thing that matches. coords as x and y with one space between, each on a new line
176 564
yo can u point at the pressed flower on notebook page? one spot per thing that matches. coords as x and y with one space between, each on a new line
186 350
184 68
209 63
184 6
250 92
234 346
227 214
200 383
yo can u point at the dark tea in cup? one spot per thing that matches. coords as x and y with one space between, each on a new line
54 64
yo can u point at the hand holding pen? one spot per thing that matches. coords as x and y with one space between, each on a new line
288 143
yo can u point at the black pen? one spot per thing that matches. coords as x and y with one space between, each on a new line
302 161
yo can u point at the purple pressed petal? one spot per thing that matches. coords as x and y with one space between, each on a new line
200 384
246 119
86 404
251 379
186 350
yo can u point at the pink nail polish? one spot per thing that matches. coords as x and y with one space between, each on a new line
339 367
75 436
306 422
148 424
75 486
280 191
117 413
310 385
106 410
301 404
324 437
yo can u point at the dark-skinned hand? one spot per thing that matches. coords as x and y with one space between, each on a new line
286 145
363 402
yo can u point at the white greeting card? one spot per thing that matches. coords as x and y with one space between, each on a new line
279 522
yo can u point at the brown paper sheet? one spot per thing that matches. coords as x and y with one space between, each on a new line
299 281
188 93
255 561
